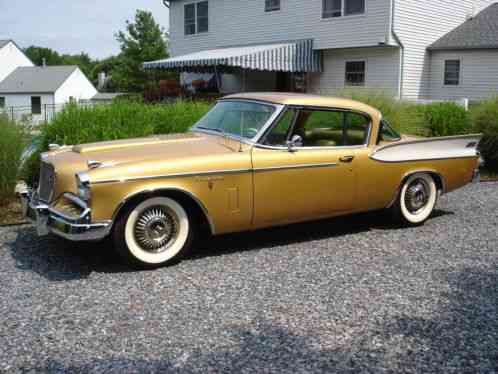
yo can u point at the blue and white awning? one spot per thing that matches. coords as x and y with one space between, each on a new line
297 56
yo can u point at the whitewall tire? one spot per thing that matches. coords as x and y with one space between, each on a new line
417 199
153 233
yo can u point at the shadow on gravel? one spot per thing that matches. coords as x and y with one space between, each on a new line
60 260
301 232
463 337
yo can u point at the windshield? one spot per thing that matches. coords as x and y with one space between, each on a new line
243 119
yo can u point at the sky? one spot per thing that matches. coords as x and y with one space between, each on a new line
73 26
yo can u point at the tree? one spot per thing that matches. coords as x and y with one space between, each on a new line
37 54
143 40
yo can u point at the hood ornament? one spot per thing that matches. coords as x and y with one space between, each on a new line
92 164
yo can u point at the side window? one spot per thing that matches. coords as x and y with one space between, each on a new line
387 133
331 128
280 132
2 102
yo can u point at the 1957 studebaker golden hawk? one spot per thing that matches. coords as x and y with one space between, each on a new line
253 161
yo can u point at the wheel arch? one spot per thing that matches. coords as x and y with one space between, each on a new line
184 197
438 179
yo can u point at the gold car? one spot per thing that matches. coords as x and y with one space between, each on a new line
253 161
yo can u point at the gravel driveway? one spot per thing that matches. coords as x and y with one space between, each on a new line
346 295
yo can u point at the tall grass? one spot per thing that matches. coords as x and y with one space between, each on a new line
485 119
13 138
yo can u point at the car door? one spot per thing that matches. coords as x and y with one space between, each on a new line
315 177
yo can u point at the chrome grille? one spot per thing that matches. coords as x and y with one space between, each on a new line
47 182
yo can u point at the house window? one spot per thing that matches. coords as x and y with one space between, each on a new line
271 5
355 73
2 102
332 8
196 17
338 8
452 72
35 105
352 7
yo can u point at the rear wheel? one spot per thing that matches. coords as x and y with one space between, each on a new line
416 200
153 233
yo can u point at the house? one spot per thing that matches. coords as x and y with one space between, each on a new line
11 57
40 91
464 62
319 45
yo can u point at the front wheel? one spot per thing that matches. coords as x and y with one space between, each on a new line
155 232
416 200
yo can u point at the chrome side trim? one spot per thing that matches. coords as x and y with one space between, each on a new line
165 189
421 159
299 166
173 175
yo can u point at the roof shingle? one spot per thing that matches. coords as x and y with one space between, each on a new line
36 79
479 32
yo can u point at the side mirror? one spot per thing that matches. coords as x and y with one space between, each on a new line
296 141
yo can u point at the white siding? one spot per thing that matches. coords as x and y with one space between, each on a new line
419 23
240 22
10 59
19 106
382 69
77 86
478 74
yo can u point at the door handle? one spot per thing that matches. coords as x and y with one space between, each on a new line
346 158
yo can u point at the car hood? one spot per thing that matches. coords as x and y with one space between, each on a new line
136 157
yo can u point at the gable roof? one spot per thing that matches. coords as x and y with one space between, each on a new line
3 43
36 79
479 32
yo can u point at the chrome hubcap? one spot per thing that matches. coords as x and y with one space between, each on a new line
417 196
156 229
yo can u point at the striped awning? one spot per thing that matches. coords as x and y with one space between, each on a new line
297 56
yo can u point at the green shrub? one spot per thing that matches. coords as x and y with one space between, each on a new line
120 120
13 138
485 119
404 116
446 119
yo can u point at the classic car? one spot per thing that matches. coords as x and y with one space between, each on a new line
254 160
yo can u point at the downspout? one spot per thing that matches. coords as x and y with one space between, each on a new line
402 50
166 3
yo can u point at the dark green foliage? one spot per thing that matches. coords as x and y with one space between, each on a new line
119 120
446 119
485 119
144 40
13 138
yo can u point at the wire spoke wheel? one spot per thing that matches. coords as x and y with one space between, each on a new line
155 232
156 229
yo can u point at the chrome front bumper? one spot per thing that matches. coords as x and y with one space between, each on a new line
50 220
